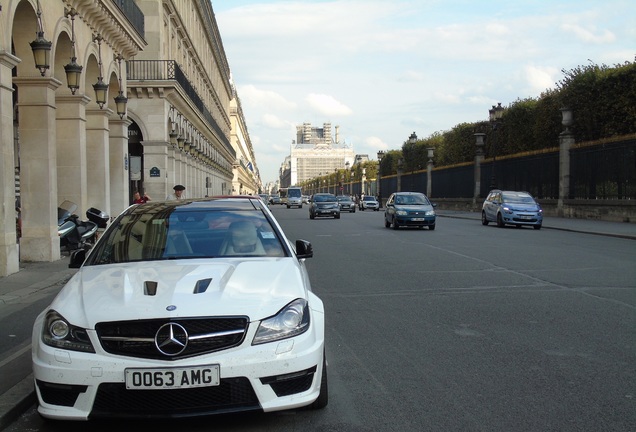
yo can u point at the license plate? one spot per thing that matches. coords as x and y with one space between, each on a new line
526 217
417 219
172 378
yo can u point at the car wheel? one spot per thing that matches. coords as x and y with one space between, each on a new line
500 222
387 224
537 227
395 224
484 220
323 397
337 216
431 227
377 209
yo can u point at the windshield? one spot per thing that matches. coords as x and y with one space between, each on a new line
184 235
369 198
517 198
324 198
412 200
294 193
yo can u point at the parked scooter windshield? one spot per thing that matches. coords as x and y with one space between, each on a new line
66 209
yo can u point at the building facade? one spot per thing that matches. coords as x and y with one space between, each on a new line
170 115
314 153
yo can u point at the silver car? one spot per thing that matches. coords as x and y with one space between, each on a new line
511 208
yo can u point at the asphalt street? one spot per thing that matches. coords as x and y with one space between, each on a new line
34 280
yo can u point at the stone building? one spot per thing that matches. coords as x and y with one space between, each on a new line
314 153
153 106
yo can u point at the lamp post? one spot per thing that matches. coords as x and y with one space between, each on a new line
479 156
380 156
494 115
429 170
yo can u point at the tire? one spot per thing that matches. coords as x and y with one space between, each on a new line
336 217
500 222
484 220
300 206
377 209
431 227
323 397
395 224
288 206
537 227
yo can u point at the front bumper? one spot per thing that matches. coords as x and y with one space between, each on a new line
415 220
523 218
279 375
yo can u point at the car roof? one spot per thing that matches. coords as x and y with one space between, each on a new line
224 202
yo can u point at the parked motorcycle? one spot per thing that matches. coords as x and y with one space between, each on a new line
75 233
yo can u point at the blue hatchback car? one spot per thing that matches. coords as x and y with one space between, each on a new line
409 209
511 208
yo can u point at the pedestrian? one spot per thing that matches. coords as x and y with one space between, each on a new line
138 199
178 193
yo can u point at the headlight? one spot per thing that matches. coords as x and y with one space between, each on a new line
401 212
507 209
57 332
290 321
430 213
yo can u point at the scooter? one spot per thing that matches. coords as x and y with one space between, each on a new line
75 233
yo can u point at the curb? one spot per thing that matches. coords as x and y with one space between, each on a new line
16 401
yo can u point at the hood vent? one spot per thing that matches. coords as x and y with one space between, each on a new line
150 288
202 285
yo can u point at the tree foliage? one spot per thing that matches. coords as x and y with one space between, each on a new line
602 99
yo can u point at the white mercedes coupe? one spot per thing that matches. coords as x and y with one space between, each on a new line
183 308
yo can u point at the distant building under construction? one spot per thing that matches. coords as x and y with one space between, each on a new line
315 153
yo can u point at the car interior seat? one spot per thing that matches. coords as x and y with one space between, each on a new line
242 239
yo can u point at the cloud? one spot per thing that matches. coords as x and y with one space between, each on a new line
540 79
327 105
589 35
257 98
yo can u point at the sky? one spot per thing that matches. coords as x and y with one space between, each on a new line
383 69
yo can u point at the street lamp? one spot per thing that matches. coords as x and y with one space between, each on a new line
494 115
429 170
380 156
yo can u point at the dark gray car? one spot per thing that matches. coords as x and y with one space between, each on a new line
324 205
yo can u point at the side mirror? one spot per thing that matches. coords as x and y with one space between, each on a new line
304 249
434 204
78 257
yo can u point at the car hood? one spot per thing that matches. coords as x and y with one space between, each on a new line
255 287
414 208
522 207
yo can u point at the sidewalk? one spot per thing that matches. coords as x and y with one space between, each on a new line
589 226
35 277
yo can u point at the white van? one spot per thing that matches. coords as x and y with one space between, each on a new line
294 197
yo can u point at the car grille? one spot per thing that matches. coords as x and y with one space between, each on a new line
231 395
204 335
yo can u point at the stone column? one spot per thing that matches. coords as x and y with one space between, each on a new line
479 156
98 159
566 141
72 180
38 175
156 156
119 166
9 252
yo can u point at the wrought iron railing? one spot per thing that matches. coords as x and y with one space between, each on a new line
133 14
164 70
